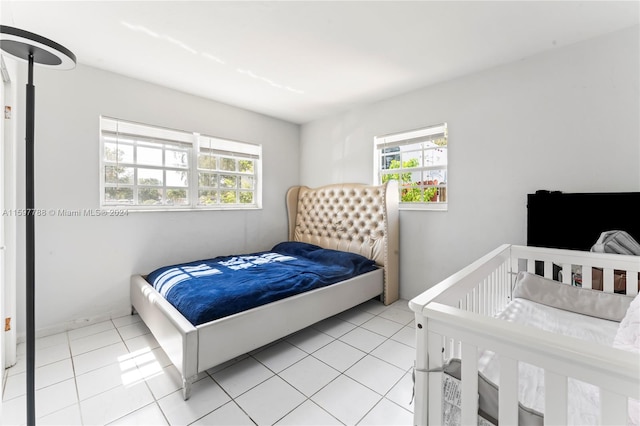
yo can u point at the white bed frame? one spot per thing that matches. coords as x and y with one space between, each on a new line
455 318
357 218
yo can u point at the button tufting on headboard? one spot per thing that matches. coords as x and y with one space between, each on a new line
350 217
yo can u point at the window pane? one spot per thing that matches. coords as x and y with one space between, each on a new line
435 157
386 177
110 152
388 155
114 174
410 194
228 164
119 195
150 156
175 178
246 197
207 162
434 177
411 177
207 197
228 197
208 179
149 177
442 194
246 166
391 163
411 159
176 158
246 182
430 194
228 181
177 197
118 153
149 196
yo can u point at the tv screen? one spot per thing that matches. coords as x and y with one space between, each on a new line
574 221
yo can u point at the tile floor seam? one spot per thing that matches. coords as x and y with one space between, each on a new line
312 353
290 411
309 398
75 375
231 400
368 411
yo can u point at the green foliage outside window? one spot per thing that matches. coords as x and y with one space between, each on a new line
176 196
410 192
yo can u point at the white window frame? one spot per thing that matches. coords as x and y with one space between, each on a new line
137 136
416 140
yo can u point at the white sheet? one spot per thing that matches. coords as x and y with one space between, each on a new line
628 338
583 398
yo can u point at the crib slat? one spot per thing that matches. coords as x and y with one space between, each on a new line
482 298
420 385
469 393
475 308
531 266
566 273
587 281
508 391
434 348
555 399
548 269
632 283
613 408
487 297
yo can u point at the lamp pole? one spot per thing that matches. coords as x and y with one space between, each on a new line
30 244
30 47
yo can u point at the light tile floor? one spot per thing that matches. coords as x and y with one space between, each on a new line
351 369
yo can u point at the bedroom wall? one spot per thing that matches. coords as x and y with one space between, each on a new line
83 264
563 120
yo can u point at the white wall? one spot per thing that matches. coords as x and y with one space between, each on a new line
8 239
564 120
83 264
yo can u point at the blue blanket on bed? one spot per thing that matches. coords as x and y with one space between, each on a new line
206 290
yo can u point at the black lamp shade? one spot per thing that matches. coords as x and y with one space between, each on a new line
20 44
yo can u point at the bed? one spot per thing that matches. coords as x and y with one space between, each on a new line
540 346
350 218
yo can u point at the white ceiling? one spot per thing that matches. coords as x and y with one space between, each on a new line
300 61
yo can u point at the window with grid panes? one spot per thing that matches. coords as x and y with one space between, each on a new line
149 167
227 172
417 159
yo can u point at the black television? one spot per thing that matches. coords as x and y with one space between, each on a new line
574 221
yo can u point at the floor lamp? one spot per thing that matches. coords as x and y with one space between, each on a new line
34 49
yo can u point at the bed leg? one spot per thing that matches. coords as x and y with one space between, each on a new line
186 386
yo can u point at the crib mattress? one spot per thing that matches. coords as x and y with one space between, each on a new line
583 398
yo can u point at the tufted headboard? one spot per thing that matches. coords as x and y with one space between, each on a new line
356 218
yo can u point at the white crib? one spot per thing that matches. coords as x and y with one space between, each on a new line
455 318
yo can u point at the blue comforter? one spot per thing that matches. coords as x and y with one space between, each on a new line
206 290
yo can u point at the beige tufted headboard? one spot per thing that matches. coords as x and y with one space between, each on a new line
356 218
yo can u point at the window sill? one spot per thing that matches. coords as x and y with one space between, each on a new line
131 209
437 207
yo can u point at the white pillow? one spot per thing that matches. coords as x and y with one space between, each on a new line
628 338
609 306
